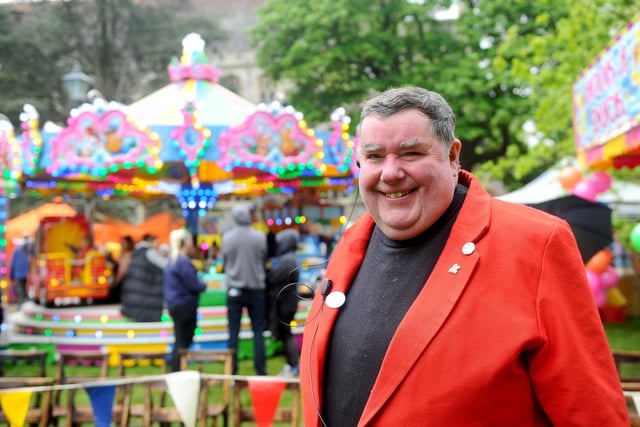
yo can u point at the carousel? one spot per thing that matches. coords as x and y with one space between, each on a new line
193 140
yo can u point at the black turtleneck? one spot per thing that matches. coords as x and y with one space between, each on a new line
390 278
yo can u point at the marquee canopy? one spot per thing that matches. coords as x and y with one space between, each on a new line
606 104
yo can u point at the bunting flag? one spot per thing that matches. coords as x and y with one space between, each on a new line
15 406
102 403
184 389
636 400
265 395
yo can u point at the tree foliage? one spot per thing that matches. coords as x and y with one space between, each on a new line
500 64
338 52
548 63
28 74
125 45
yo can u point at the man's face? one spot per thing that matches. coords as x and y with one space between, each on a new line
407 179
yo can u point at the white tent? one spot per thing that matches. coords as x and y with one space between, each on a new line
623 197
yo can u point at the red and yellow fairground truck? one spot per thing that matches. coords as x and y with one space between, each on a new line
67 269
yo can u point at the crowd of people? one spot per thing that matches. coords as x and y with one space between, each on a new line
261 275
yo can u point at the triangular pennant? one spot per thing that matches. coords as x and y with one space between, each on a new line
636 400
184 388
102 403
265 395
15 406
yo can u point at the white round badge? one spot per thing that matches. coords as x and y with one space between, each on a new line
335 299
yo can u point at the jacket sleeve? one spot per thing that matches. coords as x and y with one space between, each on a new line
573 336
188 276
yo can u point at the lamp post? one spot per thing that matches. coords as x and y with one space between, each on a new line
77 84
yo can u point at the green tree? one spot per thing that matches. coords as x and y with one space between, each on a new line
125 45
28 75
337 52
547 63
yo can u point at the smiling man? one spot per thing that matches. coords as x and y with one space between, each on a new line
443 306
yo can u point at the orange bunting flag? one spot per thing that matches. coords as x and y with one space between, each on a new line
15 406
265 395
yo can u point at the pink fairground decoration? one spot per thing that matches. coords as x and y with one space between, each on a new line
271 143
98 141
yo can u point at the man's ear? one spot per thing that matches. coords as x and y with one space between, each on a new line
454 151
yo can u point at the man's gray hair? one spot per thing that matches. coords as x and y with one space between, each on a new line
442 121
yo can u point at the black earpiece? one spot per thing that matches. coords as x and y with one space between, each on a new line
326 287
358 163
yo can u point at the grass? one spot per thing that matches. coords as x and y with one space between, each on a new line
625 335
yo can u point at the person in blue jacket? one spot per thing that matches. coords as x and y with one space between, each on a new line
19 272
182 289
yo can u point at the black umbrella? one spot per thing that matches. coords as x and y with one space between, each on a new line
590 222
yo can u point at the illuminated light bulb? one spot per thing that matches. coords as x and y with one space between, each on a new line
104 319
131 334
99 334
77 318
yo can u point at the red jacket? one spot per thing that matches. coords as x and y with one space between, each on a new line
504 333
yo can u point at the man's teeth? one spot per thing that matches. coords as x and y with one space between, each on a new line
397 194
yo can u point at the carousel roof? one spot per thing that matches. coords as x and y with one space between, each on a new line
218 106
192 133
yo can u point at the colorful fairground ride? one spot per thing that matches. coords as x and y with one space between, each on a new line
192 139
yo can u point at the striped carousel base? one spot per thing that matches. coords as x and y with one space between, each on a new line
102 327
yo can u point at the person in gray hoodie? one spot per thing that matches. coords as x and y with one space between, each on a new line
244 256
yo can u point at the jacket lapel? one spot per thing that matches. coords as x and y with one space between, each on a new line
344 265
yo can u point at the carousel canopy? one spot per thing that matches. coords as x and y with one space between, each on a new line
191 138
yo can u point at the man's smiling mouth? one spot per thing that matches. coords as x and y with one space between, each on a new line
397 194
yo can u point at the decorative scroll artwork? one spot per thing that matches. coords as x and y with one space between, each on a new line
191 138
31 144
279 144
341 146
9 152
99 141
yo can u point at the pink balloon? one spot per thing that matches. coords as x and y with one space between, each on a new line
609 278
595 281
601 298
601 181
586 190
